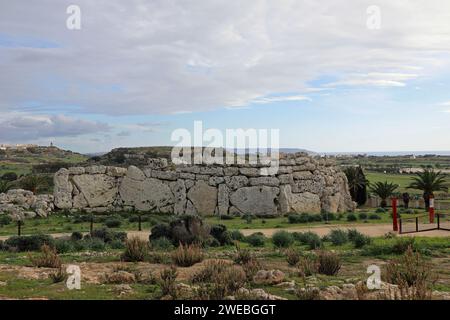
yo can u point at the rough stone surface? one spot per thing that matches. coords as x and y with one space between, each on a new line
203 197
257 200
301 184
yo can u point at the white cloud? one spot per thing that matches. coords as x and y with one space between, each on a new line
281 99
144 57
25 127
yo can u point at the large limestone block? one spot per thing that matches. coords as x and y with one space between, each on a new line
149 194
99 190
305 202
259 200
223 199
135 173
203 197
62 189
179 191
236 182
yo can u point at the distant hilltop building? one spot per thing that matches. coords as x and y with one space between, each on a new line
17 146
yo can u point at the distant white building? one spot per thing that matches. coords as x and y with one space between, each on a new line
16 146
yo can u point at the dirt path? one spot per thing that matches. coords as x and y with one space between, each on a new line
373 230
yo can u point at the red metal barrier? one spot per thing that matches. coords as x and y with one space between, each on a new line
394 214
431 209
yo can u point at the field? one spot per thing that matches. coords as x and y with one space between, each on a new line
106 274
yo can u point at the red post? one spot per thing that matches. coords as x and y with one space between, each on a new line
431 209
394 214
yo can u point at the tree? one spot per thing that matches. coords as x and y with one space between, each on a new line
383 190
4 186
9 176
357 184
33 183
429 181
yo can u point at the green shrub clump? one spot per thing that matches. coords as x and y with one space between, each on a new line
311 239
29 243
282 239
351 217
256 239
338 237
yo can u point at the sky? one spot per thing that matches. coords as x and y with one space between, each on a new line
331 75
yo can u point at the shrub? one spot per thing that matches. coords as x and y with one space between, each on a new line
211 268
220 282
226 217
161 230
292 256
58 276
113 223
361 240
328 263
167 280
374 216
108 235
161 244
311 239
248 217
95 244
63 246
29 243
76 236
48 258
242 256
5 220
351 217
338 237
136 249
189 230
308 293
282 239
380 210
237 235
362 216
328 216
256 239
401 245
116 244
413 276
296 218
220 233
307 266
187 255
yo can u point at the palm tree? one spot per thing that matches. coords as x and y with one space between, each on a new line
357 183
4 186
429 181
383 190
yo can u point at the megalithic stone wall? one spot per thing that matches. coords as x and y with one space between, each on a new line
302 184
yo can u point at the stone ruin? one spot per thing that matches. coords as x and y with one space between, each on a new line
302 184
22 204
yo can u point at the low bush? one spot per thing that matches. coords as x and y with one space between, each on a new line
351 217
48 258
256 239
242 256
29 243
136 249
361 240
338 237
282 239
113 223
362 216
307 266
76 236
413 275
221 282
226 217
63 245
116 244
328 263
187 255
5 220
311 239
237 235
58 276
328 216
389 246
108 235
161 244
380 210
292 256
297 218
161 230
221 234
167 283
374 216
248 217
